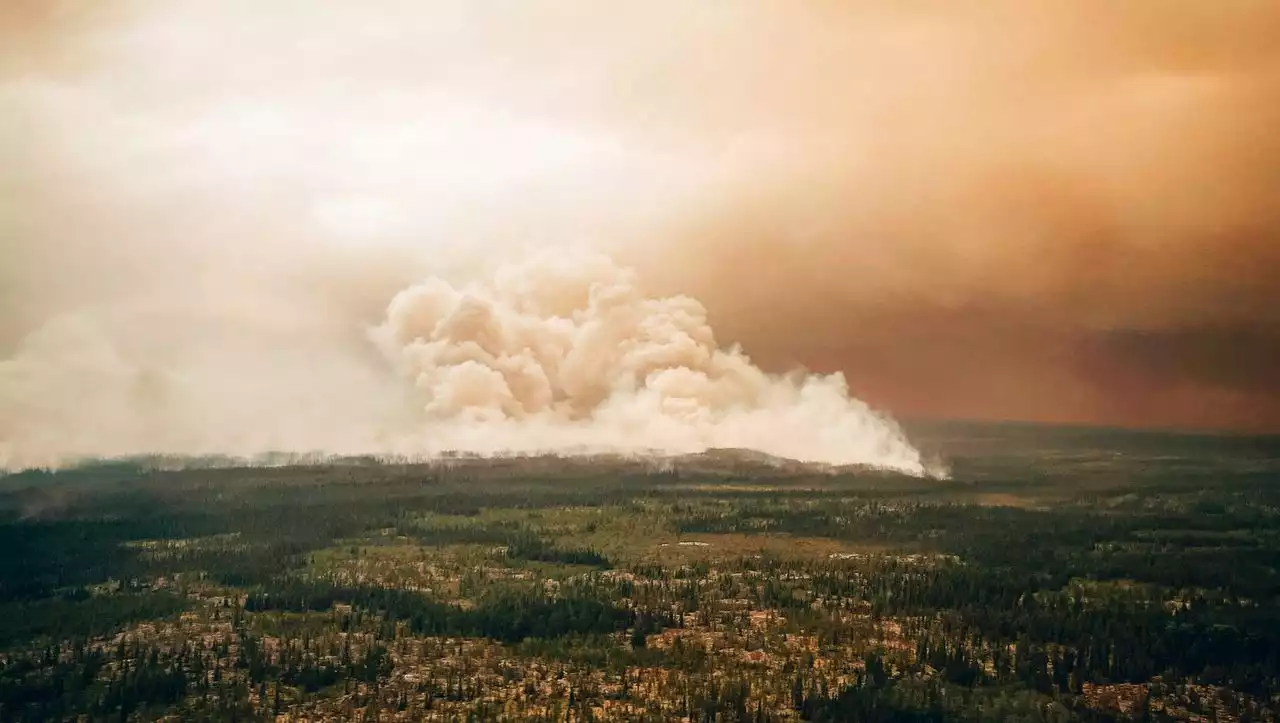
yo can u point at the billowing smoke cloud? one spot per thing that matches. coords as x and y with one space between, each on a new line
560 353
566 351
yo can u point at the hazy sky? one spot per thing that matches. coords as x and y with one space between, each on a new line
980 208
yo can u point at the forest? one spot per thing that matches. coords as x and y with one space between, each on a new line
1059 574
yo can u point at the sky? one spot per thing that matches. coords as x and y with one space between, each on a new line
1060 211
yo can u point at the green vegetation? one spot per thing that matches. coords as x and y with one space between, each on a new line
1064 574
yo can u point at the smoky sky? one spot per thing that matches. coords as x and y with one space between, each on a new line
1060 211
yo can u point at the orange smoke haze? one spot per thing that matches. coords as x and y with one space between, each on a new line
979 209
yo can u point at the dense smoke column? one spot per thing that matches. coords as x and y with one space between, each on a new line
565 351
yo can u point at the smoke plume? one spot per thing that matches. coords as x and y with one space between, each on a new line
566 351
559 353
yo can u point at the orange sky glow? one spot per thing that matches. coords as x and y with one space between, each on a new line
979 210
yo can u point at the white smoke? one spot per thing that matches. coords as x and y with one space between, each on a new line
565 351
84 386
559 353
